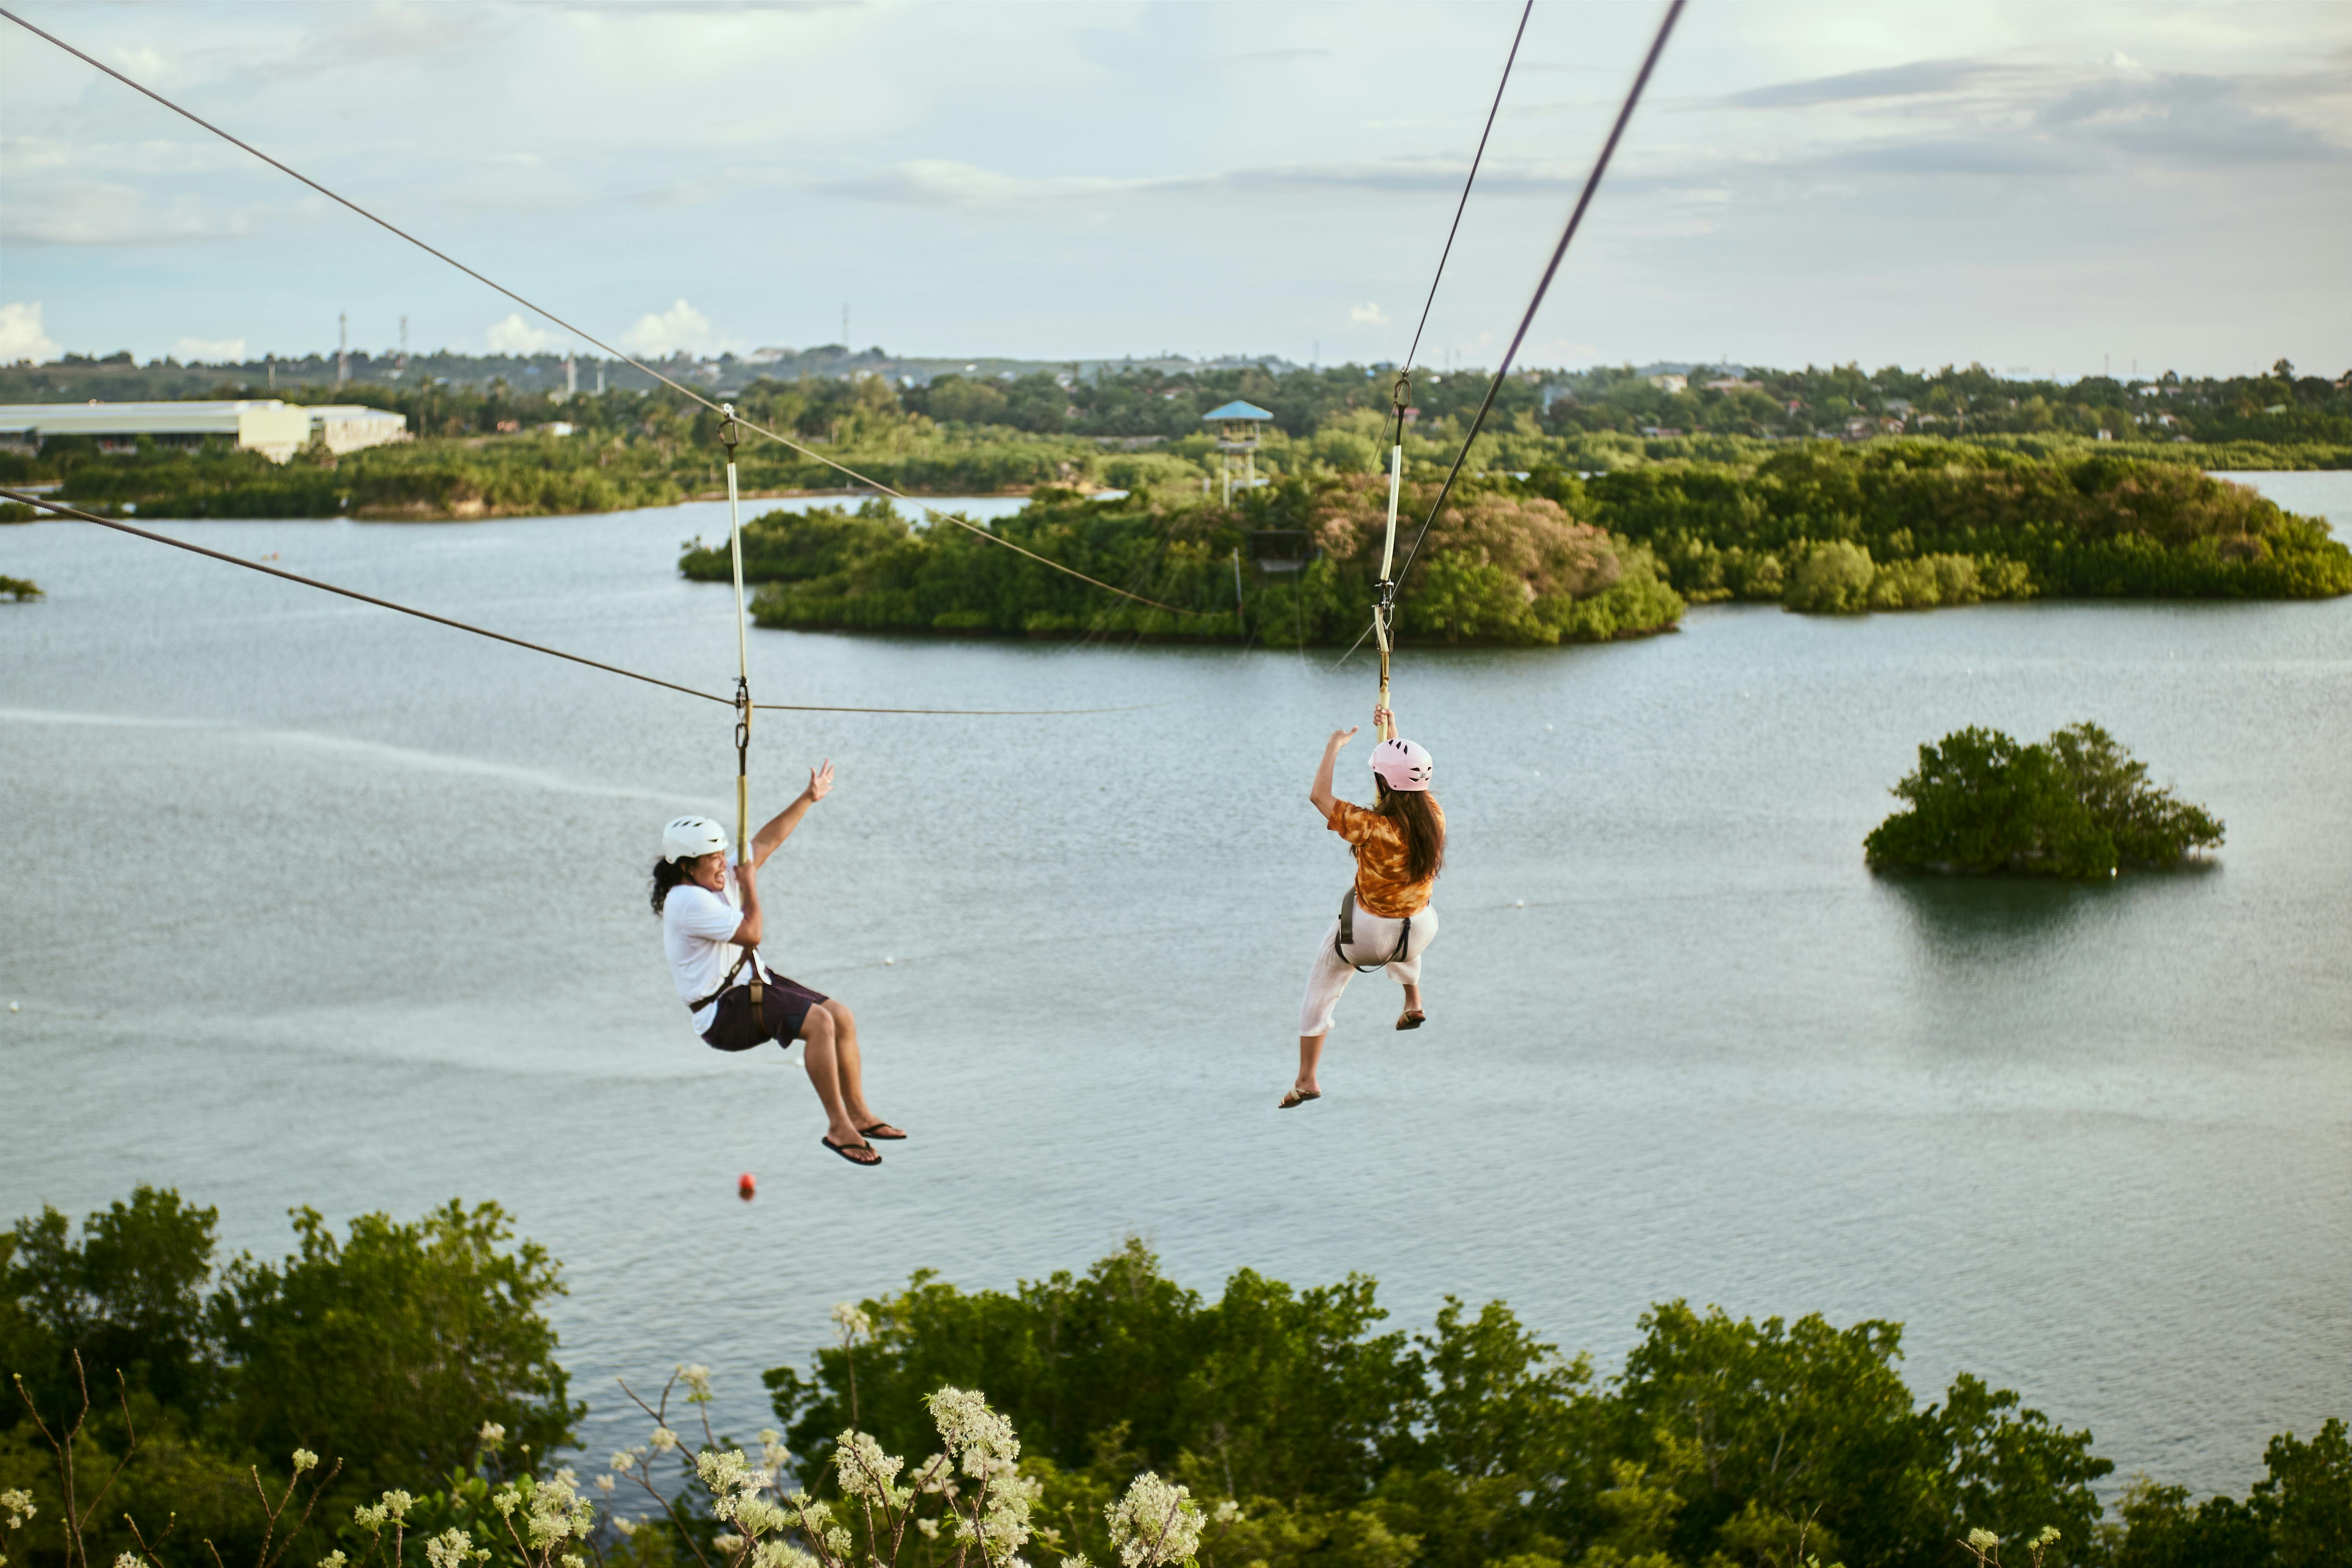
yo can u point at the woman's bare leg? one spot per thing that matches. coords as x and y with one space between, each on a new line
823 1060
1310 1057
1413 998
850 1065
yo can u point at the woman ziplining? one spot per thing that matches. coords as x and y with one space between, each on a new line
1385 920
709 910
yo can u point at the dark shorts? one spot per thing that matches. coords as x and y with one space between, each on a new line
783 1007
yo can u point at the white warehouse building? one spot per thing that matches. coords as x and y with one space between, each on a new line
274 430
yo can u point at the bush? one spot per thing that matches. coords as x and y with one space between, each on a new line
21 589
2075 806
1831 579
385 1349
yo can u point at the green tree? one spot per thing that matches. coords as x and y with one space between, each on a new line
389 1348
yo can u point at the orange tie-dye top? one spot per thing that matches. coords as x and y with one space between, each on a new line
1383 884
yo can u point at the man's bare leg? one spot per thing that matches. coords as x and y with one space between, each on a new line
823 1060
852 1068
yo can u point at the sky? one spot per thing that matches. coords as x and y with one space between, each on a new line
2044 188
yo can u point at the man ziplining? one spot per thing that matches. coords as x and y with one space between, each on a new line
709 910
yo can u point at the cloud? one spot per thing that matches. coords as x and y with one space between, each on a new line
209 351
21 337
1911 80
679 329
945 183
106 213
516 336
1368 315
2182 117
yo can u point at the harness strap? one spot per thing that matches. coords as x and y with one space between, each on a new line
728 984
1347 937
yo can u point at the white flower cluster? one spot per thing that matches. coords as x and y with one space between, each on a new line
392 1510
773 1454
334 1559
973 1434
491 1436
850 1324
125 1560
1002 1527
552 1511
736 1485
453 1549
867 1473
305 1460
1154 1524
697 1383
19 1504
665 1440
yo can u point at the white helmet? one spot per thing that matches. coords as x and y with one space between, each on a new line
691 838
1403 765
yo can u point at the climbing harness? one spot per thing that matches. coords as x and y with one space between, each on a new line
1347 937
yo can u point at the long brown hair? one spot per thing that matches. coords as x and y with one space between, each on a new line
667 875
1425 833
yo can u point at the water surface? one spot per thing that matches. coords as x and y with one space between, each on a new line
311 903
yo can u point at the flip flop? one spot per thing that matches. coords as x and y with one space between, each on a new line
882 1130
844 1151
1412 1020
1296 1099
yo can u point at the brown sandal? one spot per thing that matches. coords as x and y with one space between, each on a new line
1298 1097
881 1130
1412 1020
849 1150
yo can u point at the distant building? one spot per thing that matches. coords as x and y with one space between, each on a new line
277 430
1734 384
1670 382
348 426
274 430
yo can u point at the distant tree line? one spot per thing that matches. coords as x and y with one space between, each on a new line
2283 407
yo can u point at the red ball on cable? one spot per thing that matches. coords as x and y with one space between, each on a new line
746 1188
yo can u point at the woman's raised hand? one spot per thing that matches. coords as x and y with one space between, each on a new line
1383 718
1339 738
820 780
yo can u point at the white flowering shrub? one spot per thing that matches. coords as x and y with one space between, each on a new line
969 1505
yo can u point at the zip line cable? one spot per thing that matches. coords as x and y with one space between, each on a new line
121 527
1543 286
1401 387
1492 110
577 332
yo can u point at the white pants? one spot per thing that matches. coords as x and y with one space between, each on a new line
1376 938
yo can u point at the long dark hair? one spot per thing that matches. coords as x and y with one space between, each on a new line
667 874
1424 835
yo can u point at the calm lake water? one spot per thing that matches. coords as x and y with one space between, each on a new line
307 903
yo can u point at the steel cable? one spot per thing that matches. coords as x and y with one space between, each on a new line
1543 286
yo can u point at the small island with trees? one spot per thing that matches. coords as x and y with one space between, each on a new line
2075 804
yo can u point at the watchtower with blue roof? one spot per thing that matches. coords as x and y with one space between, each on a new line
1238 425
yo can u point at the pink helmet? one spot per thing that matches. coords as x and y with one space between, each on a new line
1402 765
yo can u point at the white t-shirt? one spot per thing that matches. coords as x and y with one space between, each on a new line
695 925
